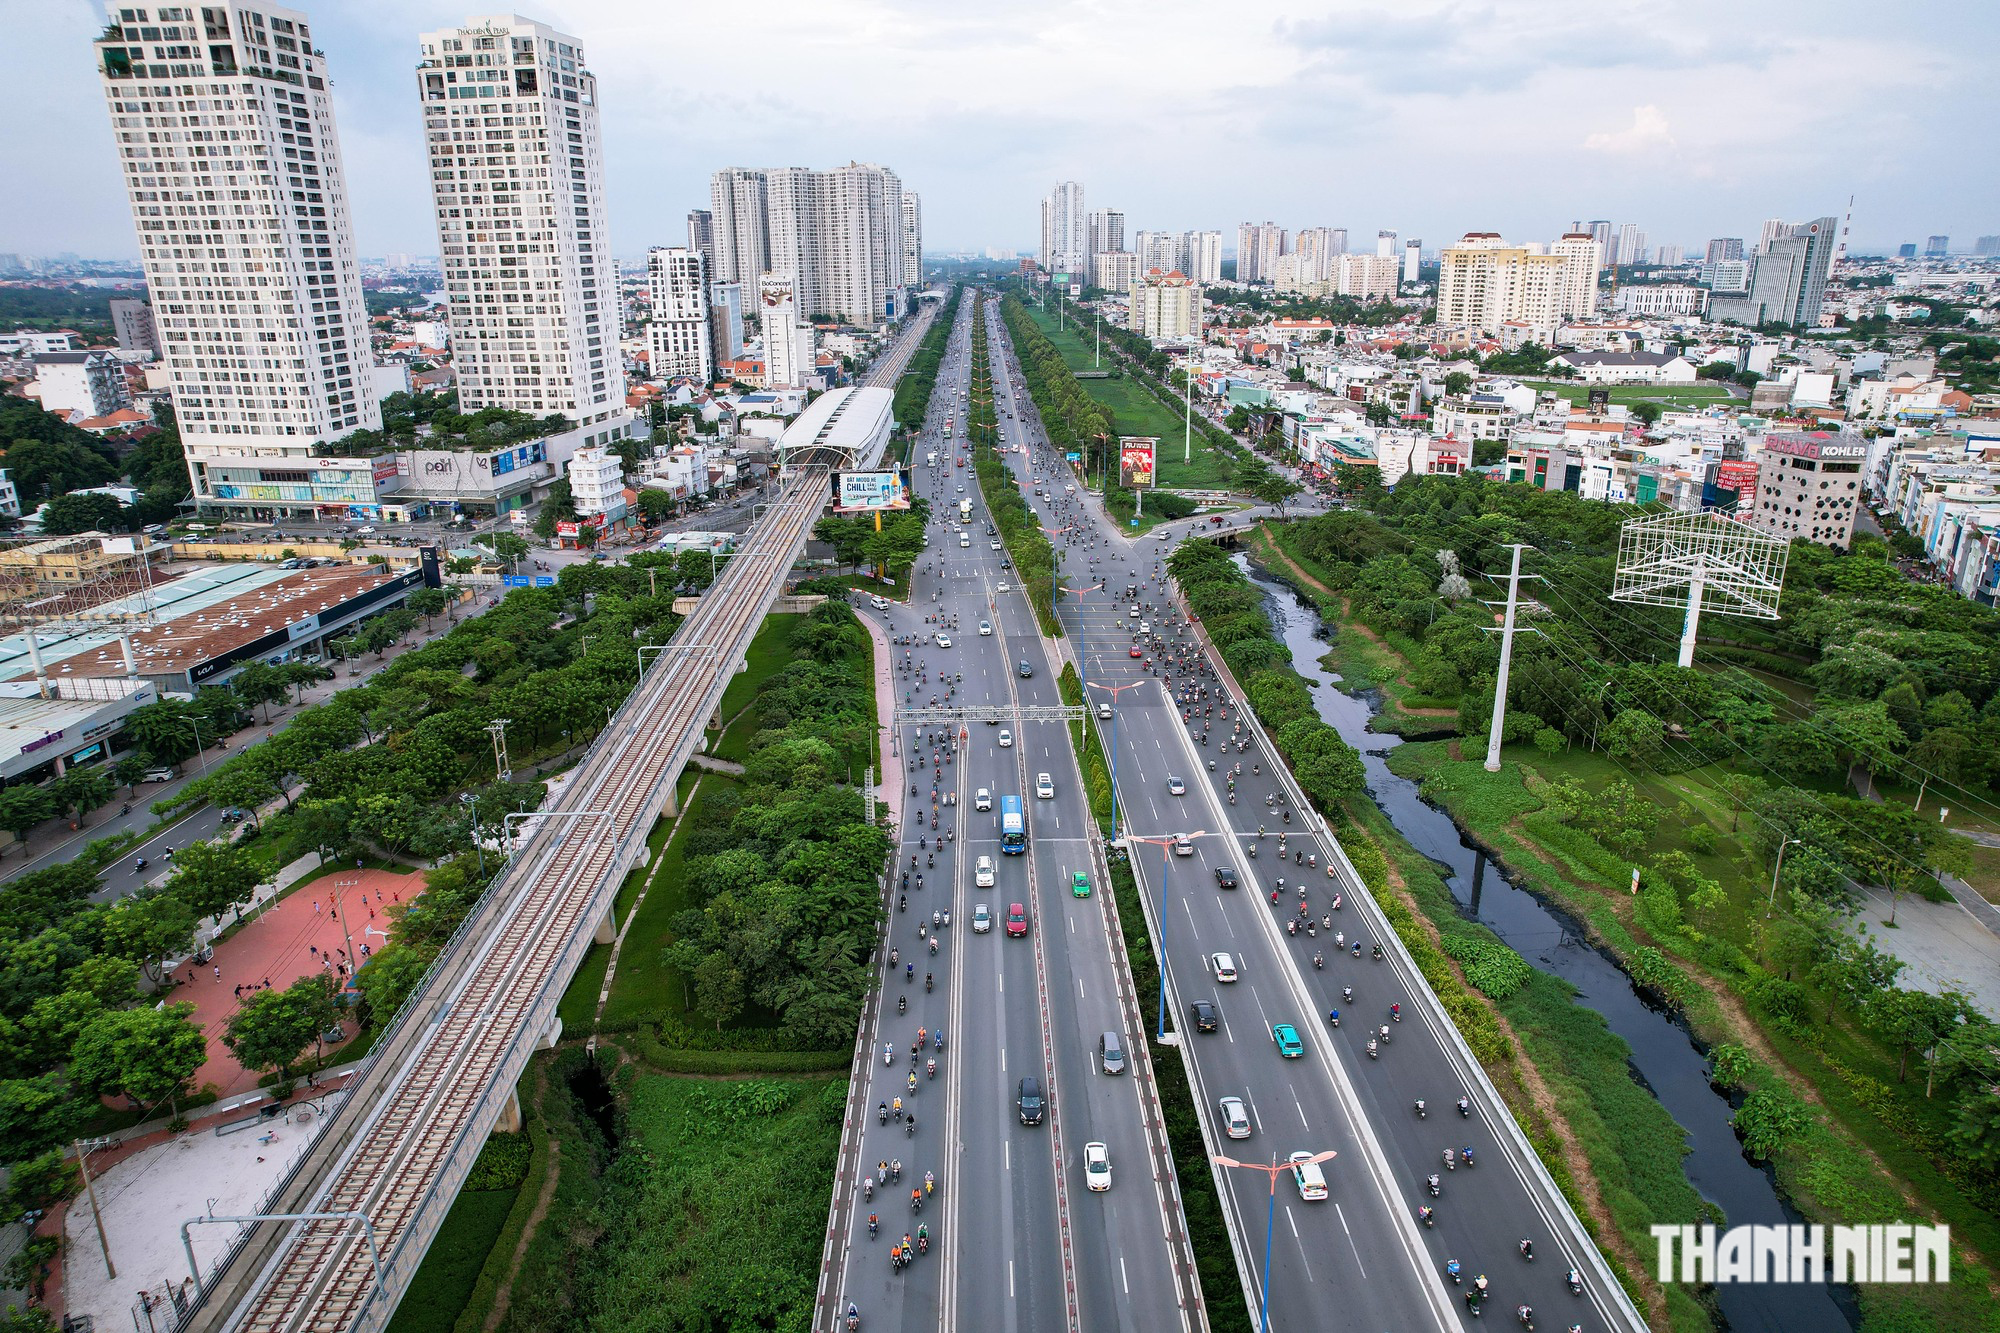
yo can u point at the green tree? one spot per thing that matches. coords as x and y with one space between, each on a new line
260 685
36 1114
1457 382
67 514
148 1054
1635 736
656 504
274 1028
1915 1020
40 468
22 807
212 877
718 988
161 730
510 548
82 790
427 602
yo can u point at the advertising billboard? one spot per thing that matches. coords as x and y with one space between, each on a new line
1741 477
1135 459
870 490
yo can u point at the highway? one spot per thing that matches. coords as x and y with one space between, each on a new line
1018 1240
1361 1253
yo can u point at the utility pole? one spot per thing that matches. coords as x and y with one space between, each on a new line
497 729
1187 412
90 1188
1506 659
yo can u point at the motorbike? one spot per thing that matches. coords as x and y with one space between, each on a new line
1333 1018
1451 1271
1432 1185
1371 1048
1318 961
1464 1107
1420 1108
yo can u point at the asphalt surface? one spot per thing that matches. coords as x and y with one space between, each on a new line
1360 1256
1010 1007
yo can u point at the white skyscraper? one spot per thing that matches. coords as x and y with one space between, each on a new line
248 248
1314 247
841 236
517 178
1583 260
739 205
1413 258
1160 250
1065 238
678 339
1201 256
1385 244
1631 245
913 240
1104 230
1259 246
788 343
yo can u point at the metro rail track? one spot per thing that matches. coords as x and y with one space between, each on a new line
402 1139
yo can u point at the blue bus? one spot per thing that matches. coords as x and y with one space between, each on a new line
1013 829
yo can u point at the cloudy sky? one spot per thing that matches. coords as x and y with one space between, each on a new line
1689 117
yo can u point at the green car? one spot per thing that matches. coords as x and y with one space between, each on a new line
1079 884
1287 1038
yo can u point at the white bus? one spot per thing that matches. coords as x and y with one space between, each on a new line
965 509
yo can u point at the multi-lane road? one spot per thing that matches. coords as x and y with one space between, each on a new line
1018 1240
1362 1254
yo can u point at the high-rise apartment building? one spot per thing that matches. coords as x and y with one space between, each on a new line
132 324
1582 261
1113 270
725 320
517 180
701 235
1483 282
1773 228
1413 258
1160 250
841 236
1937 247
1104 229
678 340
1166 307
1787 277
740 213
232 167
1065 238
1986 245
913 240
1721 248
1315 248
1907 250
1366 277
1201 257
1630 248
1258 248
1669 256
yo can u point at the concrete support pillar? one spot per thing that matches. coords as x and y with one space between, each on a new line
553 1035
510 1116
672 809
125 646
607 926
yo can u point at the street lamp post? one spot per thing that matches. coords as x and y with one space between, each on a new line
201 751
1270 1219
1166 841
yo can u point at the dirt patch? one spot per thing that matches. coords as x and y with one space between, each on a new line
1529 1082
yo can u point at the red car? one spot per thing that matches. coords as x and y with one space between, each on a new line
1135 652
1017 919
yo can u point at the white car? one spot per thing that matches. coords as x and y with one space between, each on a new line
1235 1117
1006 739
1005 586
1097 1167
943 640
964 540
982 919
1175 787
1045 787
1223 965
985 629
982 873
879 603
982 799
996 545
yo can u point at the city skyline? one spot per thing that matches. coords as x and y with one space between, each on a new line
1669 152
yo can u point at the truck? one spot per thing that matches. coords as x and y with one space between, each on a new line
965 509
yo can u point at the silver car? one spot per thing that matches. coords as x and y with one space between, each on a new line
1235 1117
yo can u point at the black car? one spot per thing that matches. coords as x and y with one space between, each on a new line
1225 877
1030 1100
1203 1014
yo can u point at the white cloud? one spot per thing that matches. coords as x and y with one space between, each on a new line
1647 131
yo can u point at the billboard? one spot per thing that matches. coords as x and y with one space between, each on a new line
870 491
1135 459
1741 477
